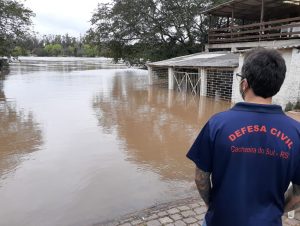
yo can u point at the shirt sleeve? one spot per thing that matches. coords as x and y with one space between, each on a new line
201 151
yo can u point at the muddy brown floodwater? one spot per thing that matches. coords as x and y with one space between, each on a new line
83 142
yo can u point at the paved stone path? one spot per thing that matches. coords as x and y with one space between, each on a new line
180 213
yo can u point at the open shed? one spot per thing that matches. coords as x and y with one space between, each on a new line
205 74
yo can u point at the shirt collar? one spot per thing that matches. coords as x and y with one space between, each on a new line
263 108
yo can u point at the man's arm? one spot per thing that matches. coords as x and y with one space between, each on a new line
292 198
203 183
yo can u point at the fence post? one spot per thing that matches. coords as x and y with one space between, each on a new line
186 81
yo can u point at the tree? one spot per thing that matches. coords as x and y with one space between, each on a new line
56 45
19 51
156 29
15 20
54 50
89 51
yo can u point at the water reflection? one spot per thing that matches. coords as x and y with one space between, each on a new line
92 169
2 95
157 126
19 133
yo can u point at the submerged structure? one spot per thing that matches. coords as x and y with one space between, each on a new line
249 24
207 74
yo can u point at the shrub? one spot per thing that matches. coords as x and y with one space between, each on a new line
289 106
297 105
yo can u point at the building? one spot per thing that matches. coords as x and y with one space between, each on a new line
207 74
249 24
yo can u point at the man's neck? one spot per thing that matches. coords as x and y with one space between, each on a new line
252 98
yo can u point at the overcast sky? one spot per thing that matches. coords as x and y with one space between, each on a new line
62 16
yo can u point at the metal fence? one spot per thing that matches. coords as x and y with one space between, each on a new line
187 82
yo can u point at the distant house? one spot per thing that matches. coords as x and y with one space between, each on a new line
250 24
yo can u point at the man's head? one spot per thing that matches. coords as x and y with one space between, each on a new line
263 72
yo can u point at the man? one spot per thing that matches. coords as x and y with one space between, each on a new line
247 156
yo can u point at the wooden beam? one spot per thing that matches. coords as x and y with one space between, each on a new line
276 36
232 19
295 19
262 13
276 28
232 14
210 25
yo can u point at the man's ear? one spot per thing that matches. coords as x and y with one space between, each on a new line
245 85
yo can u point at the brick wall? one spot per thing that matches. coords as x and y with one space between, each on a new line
219 83
159 76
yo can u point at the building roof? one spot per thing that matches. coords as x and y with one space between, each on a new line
211 59
251 9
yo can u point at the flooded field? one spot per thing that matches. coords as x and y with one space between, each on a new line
83 142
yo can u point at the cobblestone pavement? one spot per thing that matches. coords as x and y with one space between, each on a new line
180 213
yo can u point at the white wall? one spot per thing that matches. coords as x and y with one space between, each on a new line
291 87
236 96
287 91
290 90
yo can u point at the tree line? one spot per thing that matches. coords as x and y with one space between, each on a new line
55 45
142 30
134 30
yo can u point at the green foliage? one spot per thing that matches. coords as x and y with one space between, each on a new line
39 52
3 63
14 24
89 51
135 30
19 51
293 106
289 106
150 29
54 49
70 51
297 105
58 45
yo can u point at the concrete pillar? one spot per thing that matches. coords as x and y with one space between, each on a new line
203 88
171 78
150 75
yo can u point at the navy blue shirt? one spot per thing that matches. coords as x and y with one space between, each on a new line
252 152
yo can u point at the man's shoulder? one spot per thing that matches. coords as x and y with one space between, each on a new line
291 121
220 119
230 117
221 116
